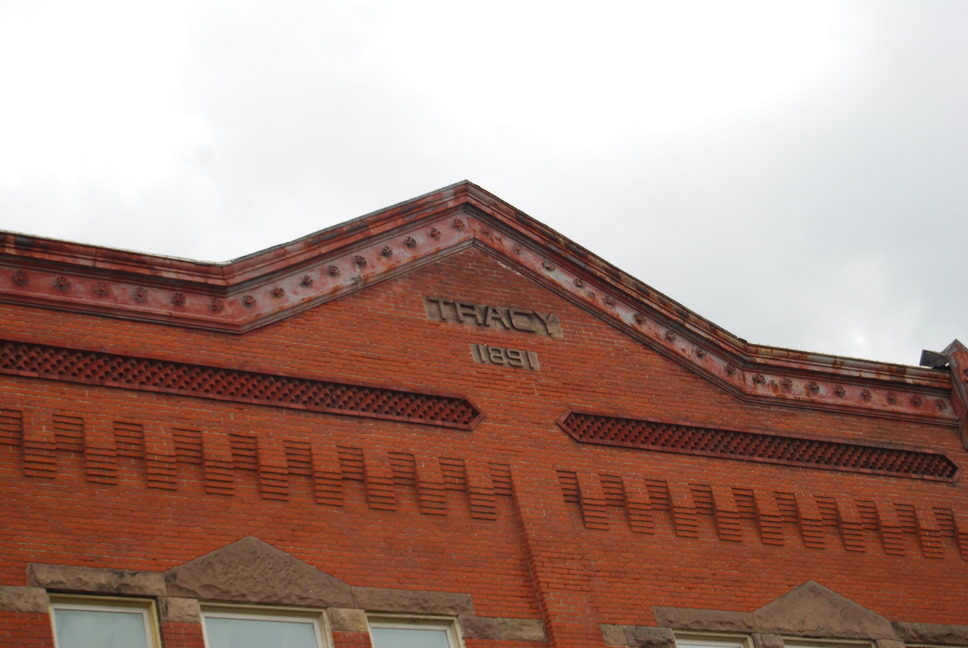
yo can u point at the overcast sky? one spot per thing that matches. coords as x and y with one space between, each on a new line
796 172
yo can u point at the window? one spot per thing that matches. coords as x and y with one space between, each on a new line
823 643
413 633
241 629
103 623
711 641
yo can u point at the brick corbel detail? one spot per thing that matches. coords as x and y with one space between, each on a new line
726 514
851 526
431 489
682 506
592 501
217 464
100 452
929 535
39 450
223 461
327 475
11 427
380 491
161 462
638 506
892 535
824 522
769 520
960 528
273 469
480 491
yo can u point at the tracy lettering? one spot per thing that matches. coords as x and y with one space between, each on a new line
496 317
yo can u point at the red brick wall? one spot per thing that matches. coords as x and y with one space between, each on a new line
530 523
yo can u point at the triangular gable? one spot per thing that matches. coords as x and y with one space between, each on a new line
281 281
252 571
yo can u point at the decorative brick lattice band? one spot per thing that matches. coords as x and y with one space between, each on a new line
93 368
752 446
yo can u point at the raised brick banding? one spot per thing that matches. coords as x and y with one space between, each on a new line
649 434
198 381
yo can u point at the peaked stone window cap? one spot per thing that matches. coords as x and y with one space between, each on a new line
252 571
810 611
247 571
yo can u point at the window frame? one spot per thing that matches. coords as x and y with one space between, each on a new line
317 617
407 622
713 640
823 642
146 607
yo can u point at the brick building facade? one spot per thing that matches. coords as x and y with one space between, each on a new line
444 424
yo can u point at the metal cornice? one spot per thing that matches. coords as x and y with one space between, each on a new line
276 283
578 263
957 355
801 380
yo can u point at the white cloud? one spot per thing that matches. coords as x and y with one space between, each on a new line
792 171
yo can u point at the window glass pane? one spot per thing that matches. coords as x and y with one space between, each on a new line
100 628
686 642
410 638
234 632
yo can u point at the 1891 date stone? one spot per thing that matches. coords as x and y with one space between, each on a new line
517 358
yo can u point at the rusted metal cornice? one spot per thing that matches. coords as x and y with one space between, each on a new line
273 284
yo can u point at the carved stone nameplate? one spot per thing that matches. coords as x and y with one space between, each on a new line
516 358
493 317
